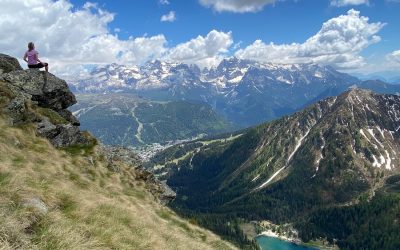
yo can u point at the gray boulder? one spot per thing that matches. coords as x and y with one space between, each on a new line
36 204
159 189
119 153
167 194
8 64
46 89
62 135
67 115
19 112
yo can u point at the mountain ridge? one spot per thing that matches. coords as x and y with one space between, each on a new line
338 153
299 135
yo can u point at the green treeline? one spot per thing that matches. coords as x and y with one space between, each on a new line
367 225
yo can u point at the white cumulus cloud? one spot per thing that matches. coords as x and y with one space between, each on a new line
164 2
394 56
69 37
72 38
170 17
204 51
341 3
238 6
339 43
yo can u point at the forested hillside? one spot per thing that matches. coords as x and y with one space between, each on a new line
335 155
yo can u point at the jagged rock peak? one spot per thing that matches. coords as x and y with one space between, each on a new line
360 97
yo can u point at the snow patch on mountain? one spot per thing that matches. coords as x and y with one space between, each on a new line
255 178
376 163
363 134
388 161
299 143
371 132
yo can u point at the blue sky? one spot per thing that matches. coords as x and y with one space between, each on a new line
358 36
283 22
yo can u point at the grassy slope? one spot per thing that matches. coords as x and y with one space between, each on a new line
88 205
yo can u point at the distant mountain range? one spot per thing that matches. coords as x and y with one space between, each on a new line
332 170
394 79
244 92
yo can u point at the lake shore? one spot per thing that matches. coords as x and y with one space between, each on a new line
273 234
288 233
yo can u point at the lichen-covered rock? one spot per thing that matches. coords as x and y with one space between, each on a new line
46 89
8 64
62 135
36 204
114 154
19 111
67 115
167 195
119 153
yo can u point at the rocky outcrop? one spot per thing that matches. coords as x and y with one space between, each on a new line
27 89
46 89
8 64
168 194
117 153
18 109
67 115
62 135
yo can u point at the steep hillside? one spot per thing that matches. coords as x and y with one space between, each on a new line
124 119
60 190
333 154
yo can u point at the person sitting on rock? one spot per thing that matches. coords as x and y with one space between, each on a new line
32 58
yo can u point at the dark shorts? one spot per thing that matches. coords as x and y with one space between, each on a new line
37 66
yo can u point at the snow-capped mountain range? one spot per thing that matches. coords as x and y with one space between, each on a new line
246 92
227 75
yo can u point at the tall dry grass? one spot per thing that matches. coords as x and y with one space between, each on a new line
88 206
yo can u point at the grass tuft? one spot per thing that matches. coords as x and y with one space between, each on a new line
67 204
82 149
53 116
4 178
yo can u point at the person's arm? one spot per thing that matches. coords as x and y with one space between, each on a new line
25 56
37 57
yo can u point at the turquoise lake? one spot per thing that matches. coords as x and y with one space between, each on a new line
271 243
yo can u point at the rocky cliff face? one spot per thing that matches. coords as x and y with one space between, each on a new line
42 98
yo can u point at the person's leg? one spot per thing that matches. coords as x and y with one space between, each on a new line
43 65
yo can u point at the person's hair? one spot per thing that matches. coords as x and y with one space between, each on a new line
31 46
